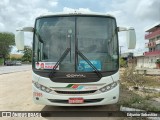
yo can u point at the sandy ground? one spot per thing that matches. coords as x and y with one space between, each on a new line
16 95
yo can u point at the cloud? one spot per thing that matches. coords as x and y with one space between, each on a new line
115 13
84 10
2 27
148 10
139 9
4 3
16 13
136 13
120 17
53 3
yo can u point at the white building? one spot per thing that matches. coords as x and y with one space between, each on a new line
148 59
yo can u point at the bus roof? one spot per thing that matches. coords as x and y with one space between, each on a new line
75 13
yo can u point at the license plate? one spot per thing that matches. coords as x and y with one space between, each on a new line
76 100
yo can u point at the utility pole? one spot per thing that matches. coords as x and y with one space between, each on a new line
120 50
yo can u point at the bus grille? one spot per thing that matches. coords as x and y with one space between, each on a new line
75 92
85 100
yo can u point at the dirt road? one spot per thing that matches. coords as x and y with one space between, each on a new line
11 69
16 95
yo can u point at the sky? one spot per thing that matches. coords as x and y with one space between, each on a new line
139 14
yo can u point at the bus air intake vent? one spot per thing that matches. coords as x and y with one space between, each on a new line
75 92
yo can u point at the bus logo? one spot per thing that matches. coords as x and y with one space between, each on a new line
75 75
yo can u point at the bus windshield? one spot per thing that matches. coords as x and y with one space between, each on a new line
76 43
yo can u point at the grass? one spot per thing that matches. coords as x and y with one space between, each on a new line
153 95
131 78
153 81
130 99
138 99
138 102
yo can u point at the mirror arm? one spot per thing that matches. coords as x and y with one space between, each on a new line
122 29
26 29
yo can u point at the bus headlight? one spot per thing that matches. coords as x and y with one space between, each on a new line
41 87
108 87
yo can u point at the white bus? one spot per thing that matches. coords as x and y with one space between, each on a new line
75 60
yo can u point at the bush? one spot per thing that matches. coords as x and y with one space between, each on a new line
131 77
122 62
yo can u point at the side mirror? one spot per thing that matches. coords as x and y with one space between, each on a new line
19 37
131 38
19 40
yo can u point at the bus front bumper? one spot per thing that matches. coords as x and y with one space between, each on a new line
109 97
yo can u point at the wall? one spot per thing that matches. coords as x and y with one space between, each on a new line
146 61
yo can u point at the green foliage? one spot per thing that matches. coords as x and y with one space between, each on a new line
122 62
6 42
136 99
158 61
27 57
1 61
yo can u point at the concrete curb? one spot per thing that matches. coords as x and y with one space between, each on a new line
126 109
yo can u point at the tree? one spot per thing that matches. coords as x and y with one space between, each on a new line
7 40
27 54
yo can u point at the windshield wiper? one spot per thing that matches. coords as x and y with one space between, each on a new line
59 61
86 59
